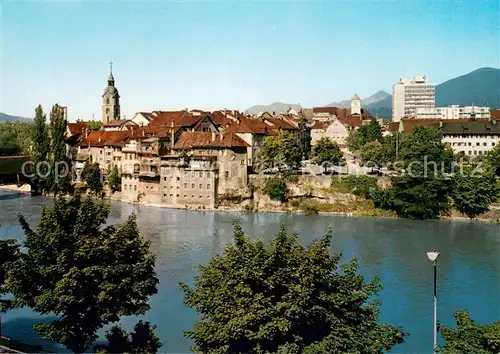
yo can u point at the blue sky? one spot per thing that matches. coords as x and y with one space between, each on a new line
226 54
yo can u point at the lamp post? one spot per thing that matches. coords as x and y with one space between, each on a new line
433 257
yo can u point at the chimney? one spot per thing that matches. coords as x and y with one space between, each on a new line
143 132
172 138
213 136
172 123
221 136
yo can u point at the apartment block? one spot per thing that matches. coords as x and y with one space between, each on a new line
410 94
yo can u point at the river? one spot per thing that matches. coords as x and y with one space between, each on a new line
468 271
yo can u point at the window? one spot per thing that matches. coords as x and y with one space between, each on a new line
470 152
470 144
178 179
192 174
226 174
185 195
125 187
135 188
165 179
192 196
185 185
201 186
107 102
164 194
208 186
100 152
177 195
171 195
201 196
192 185
484 144
208 174
492 144
171 187
201 174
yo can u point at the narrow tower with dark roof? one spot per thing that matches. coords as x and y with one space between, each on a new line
110 109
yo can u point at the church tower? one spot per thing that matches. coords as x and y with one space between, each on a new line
356 104
110 108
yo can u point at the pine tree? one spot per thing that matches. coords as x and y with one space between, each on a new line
40 149
58 151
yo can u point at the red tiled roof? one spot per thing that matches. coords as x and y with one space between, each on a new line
495 114
189 140
247 125
106 138
280 123
160 131
181 118
77 128
321 125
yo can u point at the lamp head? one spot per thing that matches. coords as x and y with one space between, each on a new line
433 256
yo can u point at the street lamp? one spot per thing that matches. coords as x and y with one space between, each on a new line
433 257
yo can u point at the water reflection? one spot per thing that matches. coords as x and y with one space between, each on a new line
394 249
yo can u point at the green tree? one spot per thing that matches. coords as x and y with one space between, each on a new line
363 135
281 150
91 174
469 337
8 253
327 153
114 179
85 273
40 149
141 340
95 125
60 177
373 131
276 189
493 158
373 154
285 298
473 191
15 137
422 189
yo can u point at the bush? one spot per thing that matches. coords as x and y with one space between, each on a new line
383 199
276 189
359 185
292 178
309 206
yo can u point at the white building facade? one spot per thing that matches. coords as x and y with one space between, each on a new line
453 112
410 94
472 138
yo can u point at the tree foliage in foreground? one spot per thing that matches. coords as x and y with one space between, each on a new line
469 337
141 340
86 274
8 254
286 298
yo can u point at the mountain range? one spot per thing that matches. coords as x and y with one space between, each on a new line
480 87
8 118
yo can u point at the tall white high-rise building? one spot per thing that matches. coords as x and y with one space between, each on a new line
410 94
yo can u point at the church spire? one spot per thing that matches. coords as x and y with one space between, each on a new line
111 79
